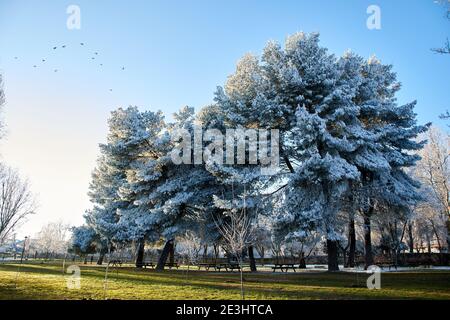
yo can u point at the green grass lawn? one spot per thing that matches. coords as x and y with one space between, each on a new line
46 281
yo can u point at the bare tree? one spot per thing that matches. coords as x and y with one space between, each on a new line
53 238
2 94
443 50
190 246
433 170
446 48
429 225
2 101
16 201
237 231
445 116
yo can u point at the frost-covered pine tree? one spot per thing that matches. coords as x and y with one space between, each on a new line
393 131
299 90
110 176
84 240
102 217
138 192
147 139
183 197
327 111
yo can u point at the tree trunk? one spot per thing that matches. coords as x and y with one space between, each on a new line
352 243
101 257
164 255
242 278
367 242
448 234
252 259
216 252
172 254
140 253
410 239
344 254
332 248
205 252
302 264
437 237
427 237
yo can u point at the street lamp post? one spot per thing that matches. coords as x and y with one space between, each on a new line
23 249
21 259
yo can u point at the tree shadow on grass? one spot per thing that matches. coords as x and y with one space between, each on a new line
260 286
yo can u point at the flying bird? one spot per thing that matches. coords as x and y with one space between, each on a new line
54 48
56 70
96 53
35 66
82 43
43 60
123 68
63 46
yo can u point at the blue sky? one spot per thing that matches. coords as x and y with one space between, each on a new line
175 53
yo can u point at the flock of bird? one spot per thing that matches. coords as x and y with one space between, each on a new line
94 56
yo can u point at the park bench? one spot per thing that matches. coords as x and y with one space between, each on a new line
231 266
387 265
221 266
227 266
115 263
172 265
284 267
148 264
234 266
207 266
